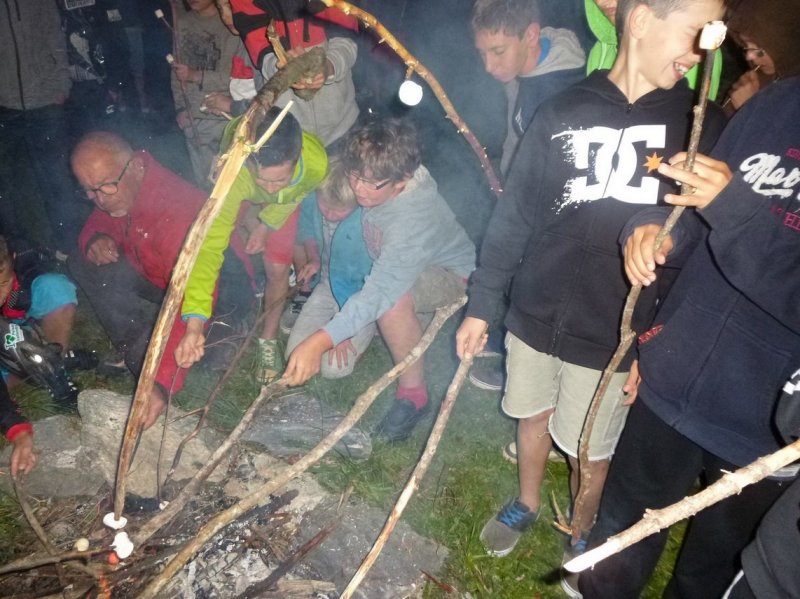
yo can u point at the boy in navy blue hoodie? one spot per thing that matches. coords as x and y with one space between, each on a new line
723 343
585 165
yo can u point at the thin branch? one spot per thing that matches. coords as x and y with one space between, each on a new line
176 505
29 563
416 476
261 494
656 520
257 589
413 64
627 334
51 549
204 410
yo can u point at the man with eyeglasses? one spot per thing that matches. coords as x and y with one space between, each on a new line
128 248
275 180
421 260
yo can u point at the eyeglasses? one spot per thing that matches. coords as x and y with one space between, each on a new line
758 52
109 188
371 185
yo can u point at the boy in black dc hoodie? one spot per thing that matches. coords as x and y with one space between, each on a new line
586 164
723 344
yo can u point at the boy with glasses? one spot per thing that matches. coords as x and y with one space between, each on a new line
421 260
276 178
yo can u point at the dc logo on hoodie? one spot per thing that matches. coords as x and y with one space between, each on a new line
611 163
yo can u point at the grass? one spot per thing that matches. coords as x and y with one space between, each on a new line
467 482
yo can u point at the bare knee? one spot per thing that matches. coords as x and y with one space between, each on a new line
537 422
277 277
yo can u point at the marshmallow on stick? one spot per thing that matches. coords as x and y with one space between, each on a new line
713 35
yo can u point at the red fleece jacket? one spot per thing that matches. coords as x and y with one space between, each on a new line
150 237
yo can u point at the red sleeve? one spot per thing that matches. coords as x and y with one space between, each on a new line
168 369
98 222
17 429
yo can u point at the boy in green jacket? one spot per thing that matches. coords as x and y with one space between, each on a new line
283 172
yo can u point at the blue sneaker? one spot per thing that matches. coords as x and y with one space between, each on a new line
501 532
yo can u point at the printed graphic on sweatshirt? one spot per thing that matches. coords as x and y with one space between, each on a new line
768 178
612 163
200 50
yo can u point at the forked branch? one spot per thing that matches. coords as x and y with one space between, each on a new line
415 65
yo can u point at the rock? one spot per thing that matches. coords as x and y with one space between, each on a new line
63 469
297 422
396 572
104 414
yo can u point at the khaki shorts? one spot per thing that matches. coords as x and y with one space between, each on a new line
537 382
436 287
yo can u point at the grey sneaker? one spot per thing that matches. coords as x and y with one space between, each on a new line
569 580
510 453
501 532
292 311
488 374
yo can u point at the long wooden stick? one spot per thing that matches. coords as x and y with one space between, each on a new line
627 334
236 155
415 65
416 476
262 494
655 520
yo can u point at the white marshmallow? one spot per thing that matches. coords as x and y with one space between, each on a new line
713 35
122 545
112 522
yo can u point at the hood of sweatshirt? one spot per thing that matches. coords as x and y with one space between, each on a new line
563 52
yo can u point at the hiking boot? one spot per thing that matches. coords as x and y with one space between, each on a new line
80 359
501 532
569 580
400 420
292 311
488 374
269 367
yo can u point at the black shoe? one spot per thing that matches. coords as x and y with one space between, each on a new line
80 359
400 420
113 365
